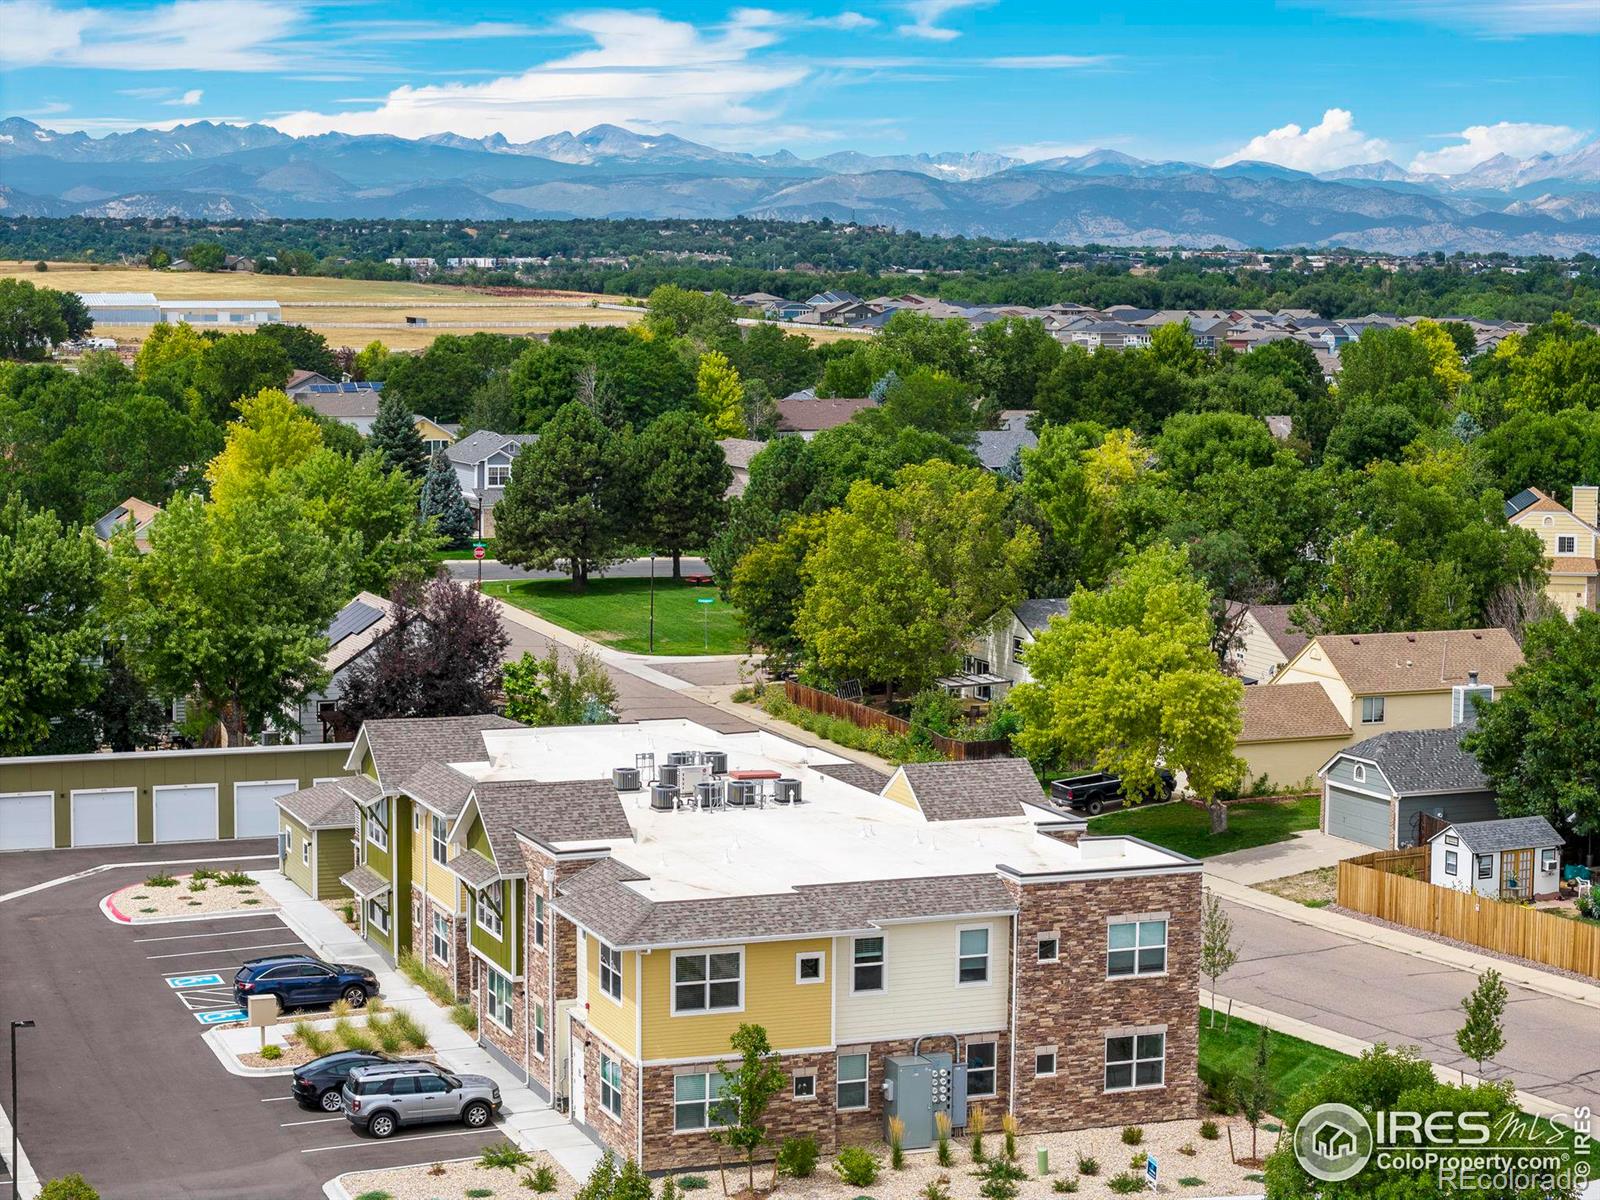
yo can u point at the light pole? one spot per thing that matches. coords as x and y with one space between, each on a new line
16 1117
652 602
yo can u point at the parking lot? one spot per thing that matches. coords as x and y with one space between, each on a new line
116 1081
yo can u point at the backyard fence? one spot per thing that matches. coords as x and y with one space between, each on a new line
1464 917
1412 863
867 717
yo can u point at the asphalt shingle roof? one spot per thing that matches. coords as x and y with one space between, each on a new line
1284 711
995 448
321 806
440 787
364 881
473 869
481 443
1036 614
968 791
1426 661
1422 760
868 779
402 746
1507 833
572 810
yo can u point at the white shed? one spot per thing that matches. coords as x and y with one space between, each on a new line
1512 858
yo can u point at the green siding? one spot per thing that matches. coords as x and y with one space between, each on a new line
500 951
371 853
297 873
335 855
400 838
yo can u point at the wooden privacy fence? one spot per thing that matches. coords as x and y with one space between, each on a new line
867 717
1465 917
1413 863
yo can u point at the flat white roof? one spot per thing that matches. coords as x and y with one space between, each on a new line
217 303
839 834
119 299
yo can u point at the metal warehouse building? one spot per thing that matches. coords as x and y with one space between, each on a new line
142 308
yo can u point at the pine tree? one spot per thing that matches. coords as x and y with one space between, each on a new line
682 475
442 498
1483 1035
394 435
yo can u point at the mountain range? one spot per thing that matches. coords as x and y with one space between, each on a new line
1549 204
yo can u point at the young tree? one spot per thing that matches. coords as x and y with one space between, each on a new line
442 500
1482 1035
1256 1094
683 476
747 1091
394 435
568 498
1217 951
1128 680
540 691
721 394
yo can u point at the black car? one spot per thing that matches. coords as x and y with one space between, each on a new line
1093 794
300 981
320 1082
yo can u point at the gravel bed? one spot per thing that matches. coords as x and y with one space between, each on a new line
141 902
1468 946
296 1052
454 1180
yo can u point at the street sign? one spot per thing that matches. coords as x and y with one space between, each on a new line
1150 1170
477 550
706 600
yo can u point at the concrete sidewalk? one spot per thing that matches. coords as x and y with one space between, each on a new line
526 1119
1308 850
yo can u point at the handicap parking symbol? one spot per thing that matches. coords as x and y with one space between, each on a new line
189 981
219 1016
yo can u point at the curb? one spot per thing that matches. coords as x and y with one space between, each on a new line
212 1038
112 913
334 1189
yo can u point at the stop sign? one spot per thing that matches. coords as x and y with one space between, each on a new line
477 552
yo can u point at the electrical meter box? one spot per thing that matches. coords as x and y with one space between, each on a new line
917 1086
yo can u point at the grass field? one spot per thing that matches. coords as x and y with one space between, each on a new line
1291 1062
1186 828
616 613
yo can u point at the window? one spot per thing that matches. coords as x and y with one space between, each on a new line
1547 860
498 999
489 911
1372 710
1017 646
416 819
1135 1061
378 914
1359 773
1566 544
972 957
610 971
441 937
1449 862
378 824
1485 866
538 920
1136 948
1044 1061
853 1082
980 1069
868 975
805 1085
808 967
697 1102
1050 947
305 851
498 474
709 982
611 1086
440 840
538 1030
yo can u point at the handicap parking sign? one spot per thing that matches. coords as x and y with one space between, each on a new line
219 1016
189 981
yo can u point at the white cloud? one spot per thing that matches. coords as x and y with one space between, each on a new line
1479 142
643 70
847 21
188 100
1487 18
926 15
1046 62
1333 142
216 35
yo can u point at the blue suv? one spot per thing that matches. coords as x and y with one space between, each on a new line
300 981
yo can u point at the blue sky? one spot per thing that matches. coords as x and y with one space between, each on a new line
1311 83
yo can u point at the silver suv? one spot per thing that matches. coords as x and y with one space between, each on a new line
379 1099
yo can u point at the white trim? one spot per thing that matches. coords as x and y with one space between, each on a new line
701 1059
1133 1063
865 1081
882 964
1047 935
103 759
1138 921
1055 1062
488 995
602 968
988 956
478 907
292 784
72 814
706 983
822 967
991 1040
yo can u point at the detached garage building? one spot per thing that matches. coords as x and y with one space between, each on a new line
1377 791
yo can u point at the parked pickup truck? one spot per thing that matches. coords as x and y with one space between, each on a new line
1093 794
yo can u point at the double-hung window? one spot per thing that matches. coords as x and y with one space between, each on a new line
1135 1061
610 971
497 999
1136 948
441 937
498 474
490 916
538 1030
1485 866
378 823
852 1082
378 913
440 839
710 981
1372 710
867 975
980 1069
1449 862
611 1085
697 1102
972 956
538 920
305 852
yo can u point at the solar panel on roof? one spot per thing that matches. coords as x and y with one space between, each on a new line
352 619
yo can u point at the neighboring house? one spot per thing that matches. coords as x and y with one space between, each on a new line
483 461
1265 638
1377 791
997 449
809 415
354 630
132 511
610 946
1374 682
740 453
1513 858
316 835
1569 537
1003 649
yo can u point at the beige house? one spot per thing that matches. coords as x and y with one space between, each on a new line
1571 541
1370 683
1264 639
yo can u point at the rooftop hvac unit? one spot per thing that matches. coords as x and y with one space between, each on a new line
663 799
741 793
708 794
788 791
667 775
626 779
717 760
682 758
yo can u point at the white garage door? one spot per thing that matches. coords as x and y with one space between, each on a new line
105 817
186 812
254 813
27 821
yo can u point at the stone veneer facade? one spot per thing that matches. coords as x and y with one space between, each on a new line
423 906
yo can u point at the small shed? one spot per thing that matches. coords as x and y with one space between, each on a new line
1511 858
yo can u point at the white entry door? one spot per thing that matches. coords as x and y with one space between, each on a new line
255 813
27 821
186 812
577 1080
105 817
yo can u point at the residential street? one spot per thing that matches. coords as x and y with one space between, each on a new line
634 568
1379 994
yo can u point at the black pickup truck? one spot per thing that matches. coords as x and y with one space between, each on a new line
1093 794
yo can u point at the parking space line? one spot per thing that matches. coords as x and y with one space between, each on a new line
178 937
427 1137
222 950
275 1099
317 1121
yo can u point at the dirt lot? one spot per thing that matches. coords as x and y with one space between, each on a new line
1315 888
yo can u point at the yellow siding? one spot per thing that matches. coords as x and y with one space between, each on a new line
899 790
1561 524
795 1015
1411 710
1289 763
436 880
616 1021
1312 666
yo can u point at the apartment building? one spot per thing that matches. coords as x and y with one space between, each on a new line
612 934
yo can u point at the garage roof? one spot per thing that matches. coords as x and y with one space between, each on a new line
1421 760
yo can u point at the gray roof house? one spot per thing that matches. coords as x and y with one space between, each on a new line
1378 790
1001 650
998 448
483 461
354 630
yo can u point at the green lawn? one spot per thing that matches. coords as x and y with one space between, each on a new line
458 555
1187 828
1291 1062
616 612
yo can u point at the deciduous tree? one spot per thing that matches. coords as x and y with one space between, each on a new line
543 691
721 394
1482 1035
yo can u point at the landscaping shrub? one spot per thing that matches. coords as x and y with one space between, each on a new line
1065 1184
1008 1127
1209 1131
389 1039
68 1187
693 1183
313 1039
975 1126
340 1008
1088 1166
408 1027
197 885
236 879
857 1166
797 1157
375 1195
206 873
543 1179
1188 1150
1126 1183
160 880
436 983
935 1190
1136 1163
1191 1181
350 1037
897 1146
507 1156
941 1128
1132 1135
271 1053
249 900
896 747
463 1016
478 1193
348 909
